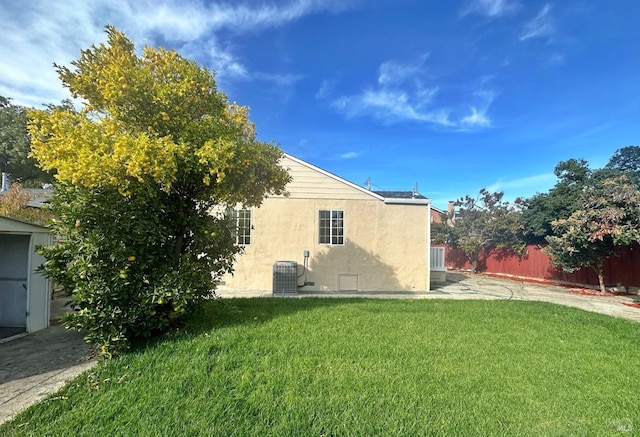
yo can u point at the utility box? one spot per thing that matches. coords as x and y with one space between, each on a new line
285 278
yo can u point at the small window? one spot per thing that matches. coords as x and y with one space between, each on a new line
331 227
243 226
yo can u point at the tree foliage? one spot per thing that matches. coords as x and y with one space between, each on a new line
559 203
15 146
542 209
15 204
483 223
155 149
609 216
627 161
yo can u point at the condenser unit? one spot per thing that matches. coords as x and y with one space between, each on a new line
285 277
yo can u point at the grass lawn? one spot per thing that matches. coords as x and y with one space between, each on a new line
362 367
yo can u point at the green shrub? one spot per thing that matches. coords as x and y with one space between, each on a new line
119 265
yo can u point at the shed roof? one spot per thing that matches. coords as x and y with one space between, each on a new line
8 225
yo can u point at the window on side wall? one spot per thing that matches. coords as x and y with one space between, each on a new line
243 226
331 227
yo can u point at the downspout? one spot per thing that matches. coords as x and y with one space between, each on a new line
429 246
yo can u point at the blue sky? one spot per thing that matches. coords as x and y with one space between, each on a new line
452 95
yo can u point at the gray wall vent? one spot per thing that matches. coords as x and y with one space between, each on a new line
285 277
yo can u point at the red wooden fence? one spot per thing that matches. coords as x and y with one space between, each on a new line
621 271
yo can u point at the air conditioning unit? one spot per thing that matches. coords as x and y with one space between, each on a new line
285 278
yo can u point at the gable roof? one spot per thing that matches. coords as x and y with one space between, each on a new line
309 185
333 177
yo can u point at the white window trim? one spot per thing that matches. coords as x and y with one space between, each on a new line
331 227
249 227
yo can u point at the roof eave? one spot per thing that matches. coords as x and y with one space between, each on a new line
331 175
393 201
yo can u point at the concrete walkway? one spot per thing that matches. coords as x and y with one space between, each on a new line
33 366
36 365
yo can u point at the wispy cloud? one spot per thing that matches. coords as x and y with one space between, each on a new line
478 116
401 95
177 20
541 25
389 106
537 183
490 8
395 73
32 41
326 88
349 155
37 33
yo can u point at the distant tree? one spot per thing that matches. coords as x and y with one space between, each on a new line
15 204
483 223
574 175
15 146
627 161
140 171
609 216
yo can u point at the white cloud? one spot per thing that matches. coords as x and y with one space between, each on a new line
394 73
278 79
38 33
540 26
326 88
349 155
177 20
490 8
388 106
536 183
400 95
478 116
32 41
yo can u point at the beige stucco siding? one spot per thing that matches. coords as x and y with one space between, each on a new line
385 245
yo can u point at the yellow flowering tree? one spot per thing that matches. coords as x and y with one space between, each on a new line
139 169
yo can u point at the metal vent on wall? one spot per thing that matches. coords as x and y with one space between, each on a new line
285 277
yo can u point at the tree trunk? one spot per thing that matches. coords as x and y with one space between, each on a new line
473 259
600 274
601 282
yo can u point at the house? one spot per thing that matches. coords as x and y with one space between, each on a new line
333 235
436 214
24 293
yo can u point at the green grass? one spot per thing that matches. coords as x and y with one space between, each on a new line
320 367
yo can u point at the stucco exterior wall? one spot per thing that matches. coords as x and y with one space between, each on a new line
385 245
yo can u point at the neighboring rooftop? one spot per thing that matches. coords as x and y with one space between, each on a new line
400 194
38 197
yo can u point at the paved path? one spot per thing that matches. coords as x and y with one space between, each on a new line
36 365
465 286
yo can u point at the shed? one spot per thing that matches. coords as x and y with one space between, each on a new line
25 295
